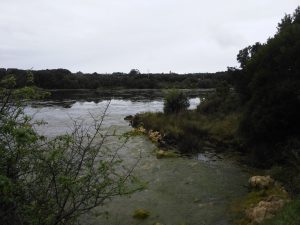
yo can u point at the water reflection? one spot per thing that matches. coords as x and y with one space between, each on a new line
125 94
64 105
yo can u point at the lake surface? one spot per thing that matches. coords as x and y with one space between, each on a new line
192 191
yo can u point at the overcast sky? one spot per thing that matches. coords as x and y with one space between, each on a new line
149 35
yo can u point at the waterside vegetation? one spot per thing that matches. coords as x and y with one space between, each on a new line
255 112
65 79
52 181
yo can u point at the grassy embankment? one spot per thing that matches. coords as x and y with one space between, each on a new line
191 131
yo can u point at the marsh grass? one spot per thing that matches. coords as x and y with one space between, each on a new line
190 131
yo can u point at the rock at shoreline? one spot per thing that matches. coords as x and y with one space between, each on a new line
141 214
265 209
141 130
154 136
268 198
165 154
261 182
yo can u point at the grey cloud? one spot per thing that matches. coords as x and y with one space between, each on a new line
117 35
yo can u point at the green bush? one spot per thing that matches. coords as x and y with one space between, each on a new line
175 101
53 181
268 85
223 101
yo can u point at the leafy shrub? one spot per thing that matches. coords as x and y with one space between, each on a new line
222 101
270 88
175 101
53 181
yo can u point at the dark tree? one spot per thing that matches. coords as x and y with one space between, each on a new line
269 85
175 102
134 72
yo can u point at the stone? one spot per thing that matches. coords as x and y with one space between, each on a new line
265 209
261 182
141 214
155 136
141 130
165 154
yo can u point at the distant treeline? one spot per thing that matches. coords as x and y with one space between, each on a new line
64 79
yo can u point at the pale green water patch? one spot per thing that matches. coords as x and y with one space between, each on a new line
179 190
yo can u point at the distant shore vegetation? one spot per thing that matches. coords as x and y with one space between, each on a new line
64 79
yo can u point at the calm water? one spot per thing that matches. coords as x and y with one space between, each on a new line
179 190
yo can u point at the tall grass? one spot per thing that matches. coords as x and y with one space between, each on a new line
190 131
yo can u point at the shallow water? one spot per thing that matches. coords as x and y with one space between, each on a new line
59 118
179 190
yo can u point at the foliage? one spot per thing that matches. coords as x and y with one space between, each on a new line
223 101
288 172
268 86
190 131
64 79
175 101
134 72
53 181
247 53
